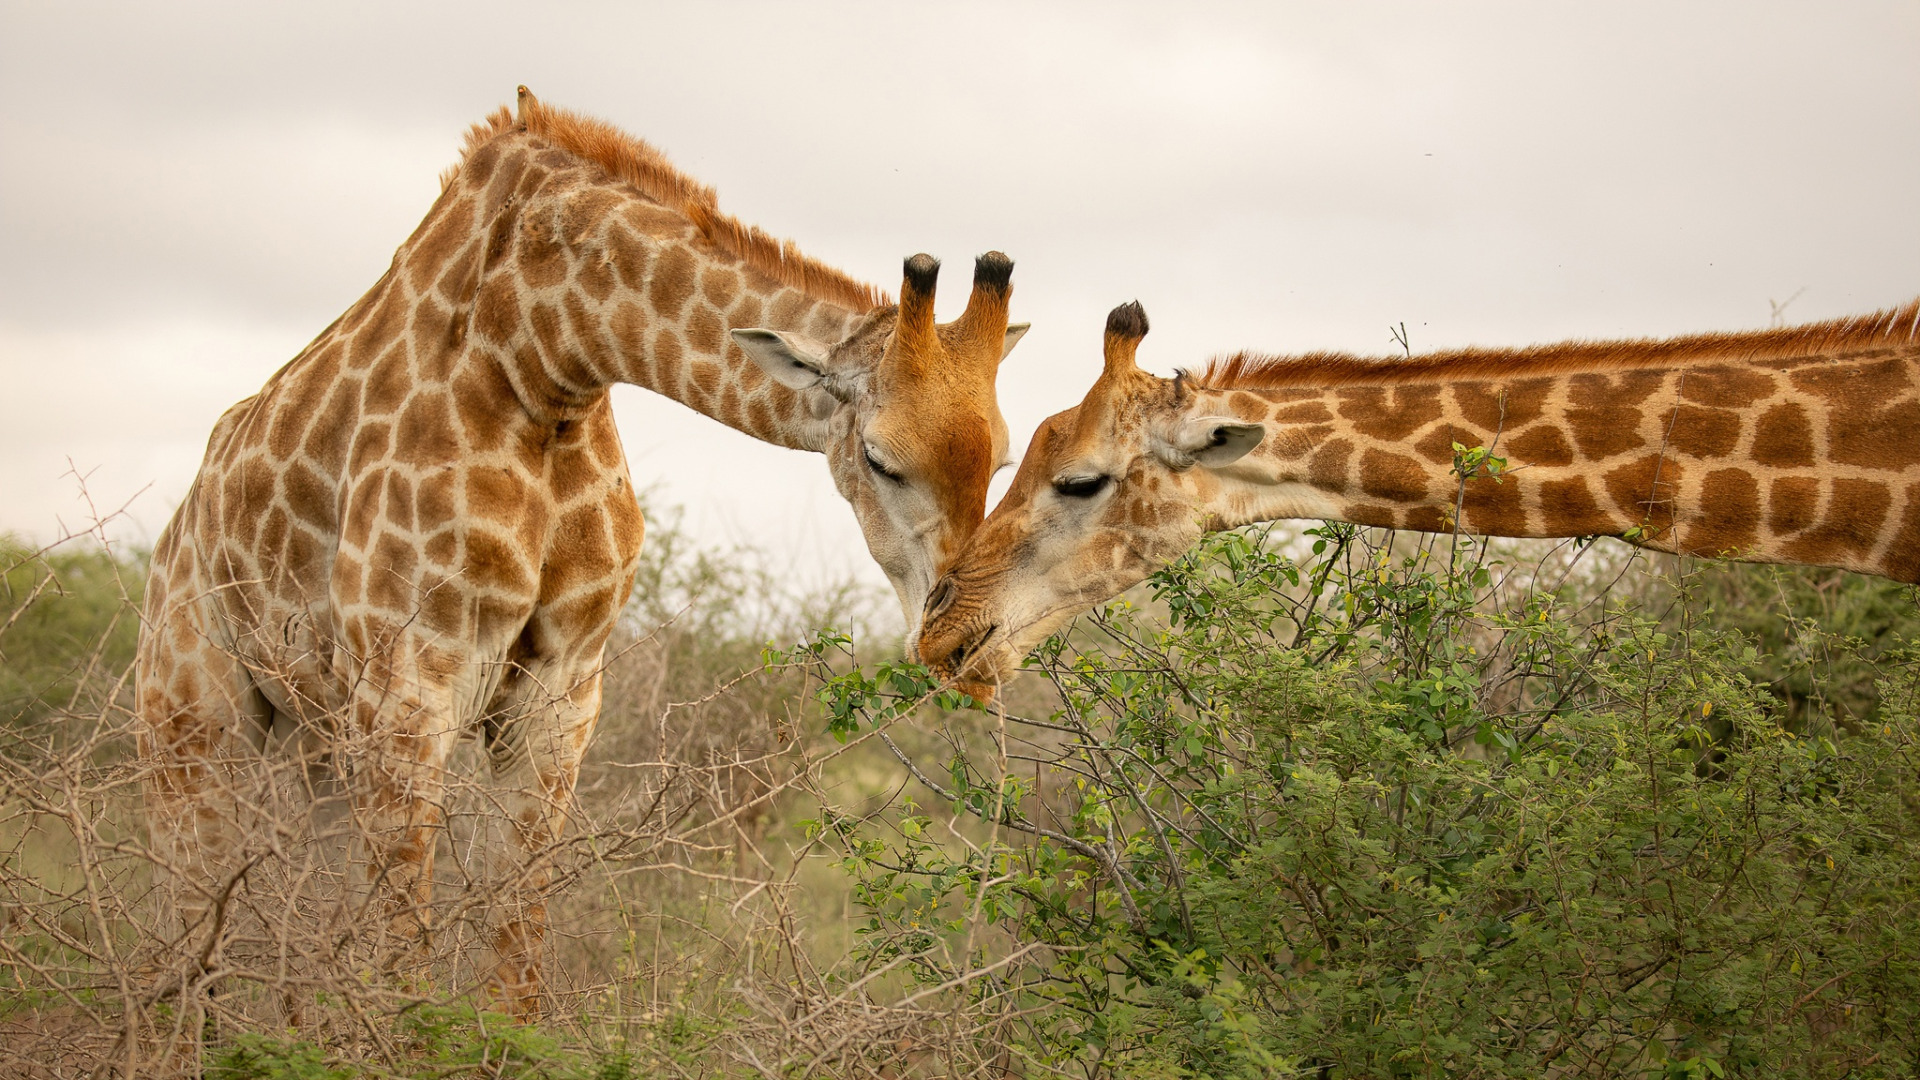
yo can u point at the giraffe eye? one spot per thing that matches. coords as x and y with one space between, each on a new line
1081 487
874 464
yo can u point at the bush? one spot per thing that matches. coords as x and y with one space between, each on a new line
1401 809
1822 635
663 906
68 623
1394 807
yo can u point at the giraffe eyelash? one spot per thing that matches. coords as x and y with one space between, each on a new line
874 464
1081 487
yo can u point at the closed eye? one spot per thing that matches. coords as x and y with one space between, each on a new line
874 464
1081 487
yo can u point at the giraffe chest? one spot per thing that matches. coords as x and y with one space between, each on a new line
482 561
478 551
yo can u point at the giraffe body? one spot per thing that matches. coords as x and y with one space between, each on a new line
1799 445
423 526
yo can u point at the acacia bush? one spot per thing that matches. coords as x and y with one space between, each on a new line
1401 807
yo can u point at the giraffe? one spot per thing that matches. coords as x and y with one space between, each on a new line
1794 445
423 526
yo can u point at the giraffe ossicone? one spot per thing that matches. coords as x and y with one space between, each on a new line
423 526
1794 445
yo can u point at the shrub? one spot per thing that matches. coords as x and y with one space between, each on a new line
68 623
1402 809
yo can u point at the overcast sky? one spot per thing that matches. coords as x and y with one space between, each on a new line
190 192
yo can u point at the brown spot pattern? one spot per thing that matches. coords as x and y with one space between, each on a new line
1783 438
1388 413
1727 387
1494 508
671 283
1903 554
1501 407
1729 518
1706 433
1850 528
1793 504
1569 504
1538 445
1437 445
1644 489
1872 437
1327 469
1397 477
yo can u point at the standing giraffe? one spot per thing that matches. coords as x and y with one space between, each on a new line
423 524
1795 445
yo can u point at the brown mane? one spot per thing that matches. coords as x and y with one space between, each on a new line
1892 328
637 162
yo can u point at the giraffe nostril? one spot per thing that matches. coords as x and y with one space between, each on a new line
940 598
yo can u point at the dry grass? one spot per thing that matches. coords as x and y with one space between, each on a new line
695 929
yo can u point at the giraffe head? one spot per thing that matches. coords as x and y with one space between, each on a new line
1109 492
914 429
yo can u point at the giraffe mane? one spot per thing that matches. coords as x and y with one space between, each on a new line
635 161
1890 328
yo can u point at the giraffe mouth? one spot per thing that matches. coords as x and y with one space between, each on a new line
966 669
972 647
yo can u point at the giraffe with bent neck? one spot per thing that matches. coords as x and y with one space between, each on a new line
1794 445
423 525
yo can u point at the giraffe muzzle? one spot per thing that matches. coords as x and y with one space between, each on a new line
972 647
959 667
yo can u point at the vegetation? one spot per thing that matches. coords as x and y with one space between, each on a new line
68 620
1399 811
1343 804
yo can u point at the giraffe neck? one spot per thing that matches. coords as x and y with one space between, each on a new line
562 281
1805 459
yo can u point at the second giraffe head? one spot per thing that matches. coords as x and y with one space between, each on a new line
914 429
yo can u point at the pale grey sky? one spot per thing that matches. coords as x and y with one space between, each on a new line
189 192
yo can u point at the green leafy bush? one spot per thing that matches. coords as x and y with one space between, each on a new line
68 623
1403 810
1822 635
434 1041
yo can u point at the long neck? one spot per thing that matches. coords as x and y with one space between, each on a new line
537 265
1804 460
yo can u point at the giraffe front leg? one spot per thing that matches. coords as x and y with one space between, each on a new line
404 729
202 728
535 754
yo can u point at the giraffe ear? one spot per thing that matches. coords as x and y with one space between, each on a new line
1015 331
789 359
1211 441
